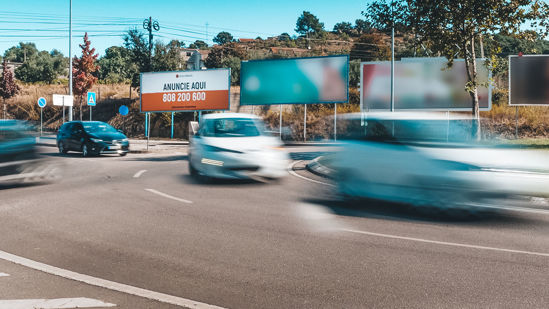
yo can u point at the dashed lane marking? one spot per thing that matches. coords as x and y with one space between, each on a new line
138 174
111 285
169 196
57 303
4 275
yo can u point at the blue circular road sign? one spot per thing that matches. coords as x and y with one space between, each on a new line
123 110
41 102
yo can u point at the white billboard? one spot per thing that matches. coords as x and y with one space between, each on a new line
62 100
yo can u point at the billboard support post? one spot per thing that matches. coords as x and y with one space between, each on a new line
172 127
148 130
305 124
146 124
335 122
516 121
280 122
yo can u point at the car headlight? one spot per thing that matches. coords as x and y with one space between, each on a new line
96 140
125 140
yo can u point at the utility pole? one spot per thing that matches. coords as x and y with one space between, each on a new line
392 58
70 61
150 25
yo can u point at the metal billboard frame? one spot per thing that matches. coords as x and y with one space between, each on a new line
426 60
509 79
298 58
183 111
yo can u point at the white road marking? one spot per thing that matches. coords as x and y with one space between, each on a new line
446 243
57 303
138 174
111 285
4 275
291 171
169 196
517 208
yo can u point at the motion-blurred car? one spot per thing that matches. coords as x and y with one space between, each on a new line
430 160
19 159
233 145
91 138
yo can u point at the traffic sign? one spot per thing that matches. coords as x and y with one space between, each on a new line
123 110
91 99
41 102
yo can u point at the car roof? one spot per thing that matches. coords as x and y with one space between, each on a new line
229 115
408 116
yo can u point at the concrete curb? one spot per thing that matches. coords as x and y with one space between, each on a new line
317 168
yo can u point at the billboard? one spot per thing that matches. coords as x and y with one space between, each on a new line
529 80
295 81
422 83
185 90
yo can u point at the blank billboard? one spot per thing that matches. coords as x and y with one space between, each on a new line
422 83
529 80
295 81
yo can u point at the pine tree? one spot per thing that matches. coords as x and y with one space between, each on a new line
83 69
8 87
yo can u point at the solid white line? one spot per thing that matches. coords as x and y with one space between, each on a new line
446 243
4 275
57 303
138 174
517 208
291 171
169 196
111 285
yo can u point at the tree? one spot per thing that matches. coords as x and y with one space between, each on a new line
42 67
362 26
83 70
343 27
198 44
284 37
308 23
134 41
223 37
116 65
167 57
8 87
370 47
22 52
233 63
452 28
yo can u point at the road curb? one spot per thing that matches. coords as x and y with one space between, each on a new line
317 168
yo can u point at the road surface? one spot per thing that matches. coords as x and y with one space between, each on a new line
128 230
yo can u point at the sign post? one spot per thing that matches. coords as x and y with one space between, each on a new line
41 104
91 101
123 110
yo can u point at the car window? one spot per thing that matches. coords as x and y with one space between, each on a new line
231 127
98 127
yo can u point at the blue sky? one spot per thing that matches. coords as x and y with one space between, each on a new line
45 22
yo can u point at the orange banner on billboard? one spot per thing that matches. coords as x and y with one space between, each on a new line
185 90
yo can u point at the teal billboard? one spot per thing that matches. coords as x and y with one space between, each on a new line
295 81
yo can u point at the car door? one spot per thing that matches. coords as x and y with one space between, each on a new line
64 134
76 137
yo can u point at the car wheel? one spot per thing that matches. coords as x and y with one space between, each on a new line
62 148
85 151
123 154
192 170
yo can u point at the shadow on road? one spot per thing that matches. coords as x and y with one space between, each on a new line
160 158
395 211
208 181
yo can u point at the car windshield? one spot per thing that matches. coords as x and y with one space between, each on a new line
97 127
231 127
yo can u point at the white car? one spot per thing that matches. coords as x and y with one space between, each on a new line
430 160
234 145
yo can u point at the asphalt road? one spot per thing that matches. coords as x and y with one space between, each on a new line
142 221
